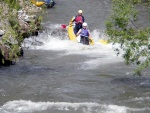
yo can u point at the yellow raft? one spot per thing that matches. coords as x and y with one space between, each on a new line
102 41
71 34
38 4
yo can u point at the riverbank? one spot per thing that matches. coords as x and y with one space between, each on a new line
16 23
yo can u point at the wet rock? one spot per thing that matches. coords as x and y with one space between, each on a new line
6 56
4 51
29 25
2 32
21 51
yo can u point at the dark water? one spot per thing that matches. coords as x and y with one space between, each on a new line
60 76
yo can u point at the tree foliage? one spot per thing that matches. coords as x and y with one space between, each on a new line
13 4
123 29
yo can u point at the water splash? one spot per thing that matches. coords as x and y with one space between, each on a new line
22 106
56 38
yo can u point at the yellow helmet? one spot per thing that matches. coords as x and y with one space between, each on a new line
80 11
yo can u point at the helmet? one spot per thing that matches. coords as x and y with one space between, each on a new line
84 24
80 11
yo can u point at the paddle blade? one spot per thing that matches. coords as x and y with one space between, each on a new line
91 41
63 26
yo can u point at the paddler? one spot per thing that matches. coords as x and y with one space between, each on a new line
79 19
84 34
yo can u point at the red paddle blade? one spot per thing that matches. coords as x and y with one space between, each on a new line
63 26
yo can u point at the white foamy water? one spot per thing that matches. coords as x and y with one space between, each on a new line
56 39
22 106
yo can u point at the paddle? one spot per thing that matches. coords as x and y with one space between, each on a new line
64 26
91 41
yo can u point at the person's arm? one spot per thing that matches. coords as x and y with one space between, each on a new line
78 32
89 33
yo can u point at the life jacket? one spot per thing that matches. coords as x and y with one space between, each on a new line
78 19
84 32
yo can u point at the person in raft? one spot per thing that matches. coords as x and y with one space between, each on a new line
79 19
84 34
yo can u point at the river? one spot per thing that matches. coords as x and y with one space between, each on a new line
56 75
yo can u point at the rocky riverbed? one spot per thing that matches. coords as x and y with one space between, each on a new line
15 25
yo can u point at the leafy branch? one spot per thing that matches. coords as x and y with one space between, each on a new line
133 40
